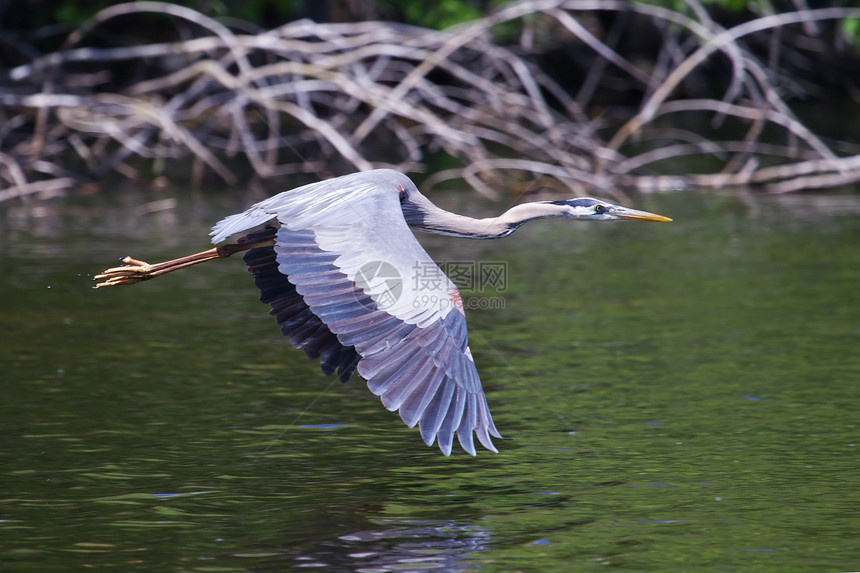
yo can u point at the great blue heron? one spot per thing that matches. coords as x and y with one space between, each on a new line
337 272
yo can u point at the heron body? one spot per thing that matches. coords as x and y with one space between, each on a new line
337 262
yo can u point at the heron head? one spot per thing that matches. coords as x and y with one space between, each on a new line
588 209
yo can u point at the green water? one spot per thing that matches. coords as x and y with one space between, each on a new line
674 397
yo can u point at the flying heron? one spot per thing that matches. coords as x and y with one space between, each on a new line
336 261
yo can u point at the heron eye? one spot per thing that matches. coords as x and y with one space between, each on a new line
599 209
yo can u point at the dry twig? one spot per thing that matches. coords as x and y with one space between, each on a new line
307 97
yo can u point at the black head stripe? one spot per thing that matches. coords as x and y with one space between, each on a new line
581 202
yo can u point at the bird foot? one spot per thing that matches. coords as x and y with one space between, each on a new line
132 272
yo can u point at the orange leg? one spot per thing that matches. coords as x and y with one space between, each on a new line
135 271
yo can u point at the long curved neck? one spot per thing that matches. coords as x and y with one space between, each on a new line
441 222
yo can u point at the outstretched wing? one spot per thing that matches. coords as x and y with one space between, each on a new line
347 250
302 327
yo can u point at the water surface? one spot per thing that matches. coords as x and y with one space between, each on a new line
674 396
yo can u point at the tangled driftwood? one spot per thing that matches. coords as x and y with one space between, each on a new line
329 98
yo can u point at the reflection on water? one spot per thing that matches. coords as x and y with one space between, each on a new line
402 545
678 396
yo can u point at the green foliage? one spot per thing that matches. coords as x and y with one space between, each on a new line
850 26
77 12
851 30
269 13
731 5
740 5
256 11
444 13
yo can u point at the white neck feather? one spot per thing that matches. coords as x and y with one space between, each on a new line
441 222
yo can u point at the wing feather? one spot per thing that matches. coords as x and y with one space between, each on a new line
436 411
302 327
407 339
405 382
415 406
451 422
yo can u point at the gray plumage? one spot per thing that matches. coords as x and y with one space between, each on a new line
414 356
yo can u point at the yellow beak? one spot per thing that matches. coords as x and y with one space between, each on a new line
634 215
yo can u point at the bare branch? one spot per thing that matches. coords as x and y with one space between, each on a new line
325 98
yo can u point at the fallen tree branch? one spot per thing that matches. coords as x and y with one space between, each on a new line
330 98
